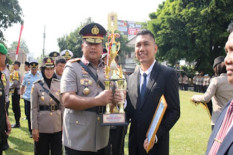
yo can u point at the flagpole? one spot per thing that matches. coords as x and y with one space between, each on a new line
44 42
17 50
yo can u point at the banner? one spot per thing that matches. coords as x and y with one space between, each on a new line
17 50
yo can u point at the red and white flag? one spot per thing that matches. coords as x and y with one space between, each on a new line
17 50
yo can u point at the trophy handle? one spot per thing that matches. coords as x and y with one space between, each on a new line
107 87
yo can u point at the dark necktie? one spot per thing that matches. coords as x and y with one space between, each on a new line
222 132
143 89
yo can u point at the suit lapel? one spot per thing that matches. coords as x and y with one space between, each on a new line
134 85
151 83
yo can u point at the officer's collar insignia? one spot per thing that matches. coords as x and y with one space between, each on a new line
95 30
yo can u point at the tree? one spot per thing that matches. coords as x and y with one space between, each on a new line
191 30
73 41
10 13
23 46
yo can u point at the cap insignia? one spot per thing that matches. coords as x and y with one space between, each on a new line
67 53
95 30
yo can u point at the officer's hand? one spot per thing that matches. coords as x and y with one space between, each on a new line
35 135
119 96
8 126
104 98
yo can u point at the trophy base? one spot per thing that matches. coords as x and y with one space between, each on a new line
114 119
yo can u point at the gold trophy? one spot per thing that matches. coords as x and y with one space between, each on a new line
114 114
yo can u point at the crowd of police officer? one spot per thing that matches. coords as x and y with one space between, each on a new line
40 90
43 102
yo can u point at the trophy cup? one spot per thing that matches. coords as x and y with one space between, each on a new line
114 114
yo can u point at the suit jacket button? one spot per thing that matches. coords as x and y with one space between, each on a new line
76 122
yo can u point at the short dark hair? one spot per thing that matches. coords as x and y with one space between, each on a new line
17 63
220 68
61 60
145 32
230 27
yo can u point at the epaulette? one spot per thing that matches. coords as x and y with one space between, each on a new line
55 79
75 60
37 81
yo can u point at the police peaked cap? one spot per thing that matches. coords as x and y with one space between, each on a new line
47 62
34 64
54 54
67 54
93 33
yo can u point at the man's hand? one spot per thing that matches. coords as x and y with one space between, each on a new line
146 143
35 135
8 125
104 97
119 96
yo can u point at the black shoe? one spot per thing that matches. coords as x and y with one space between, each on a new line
30 135
16 126
6 146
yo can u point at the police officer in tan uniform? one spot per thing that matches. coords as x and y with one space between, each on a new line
84 97
15 89
46 112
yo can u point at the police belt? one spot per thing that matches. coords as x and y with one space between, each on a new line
49 107
98 110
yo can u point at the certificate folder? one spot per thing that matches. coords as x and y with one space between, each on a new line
155 123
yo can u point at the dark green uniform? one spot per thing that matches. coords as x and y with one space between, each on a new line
3 136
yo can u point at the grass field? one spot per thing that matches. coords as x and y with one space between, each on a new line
188 137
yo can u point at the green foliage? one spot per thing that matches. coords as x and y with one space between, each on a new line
10 13
23 46
191 30
73 41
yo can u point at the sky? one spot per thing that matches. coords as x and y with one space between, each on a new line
60 17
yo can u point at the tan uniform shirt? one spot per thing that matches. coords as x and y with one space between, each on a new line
16 81
82 129
220 91
46 121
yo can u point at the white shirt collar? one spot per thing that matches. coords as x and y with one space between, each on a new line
148 71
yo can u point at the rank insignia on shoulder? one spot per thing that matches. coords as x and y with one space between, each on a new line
74 60
84 72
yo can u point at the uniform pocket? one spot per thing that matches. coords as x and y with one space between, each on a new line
77 117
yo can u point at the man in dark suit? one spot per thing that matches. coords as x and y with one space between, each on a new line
145 88
221 139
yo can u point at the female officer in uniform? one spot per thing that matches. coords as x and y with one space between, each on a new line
46 112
